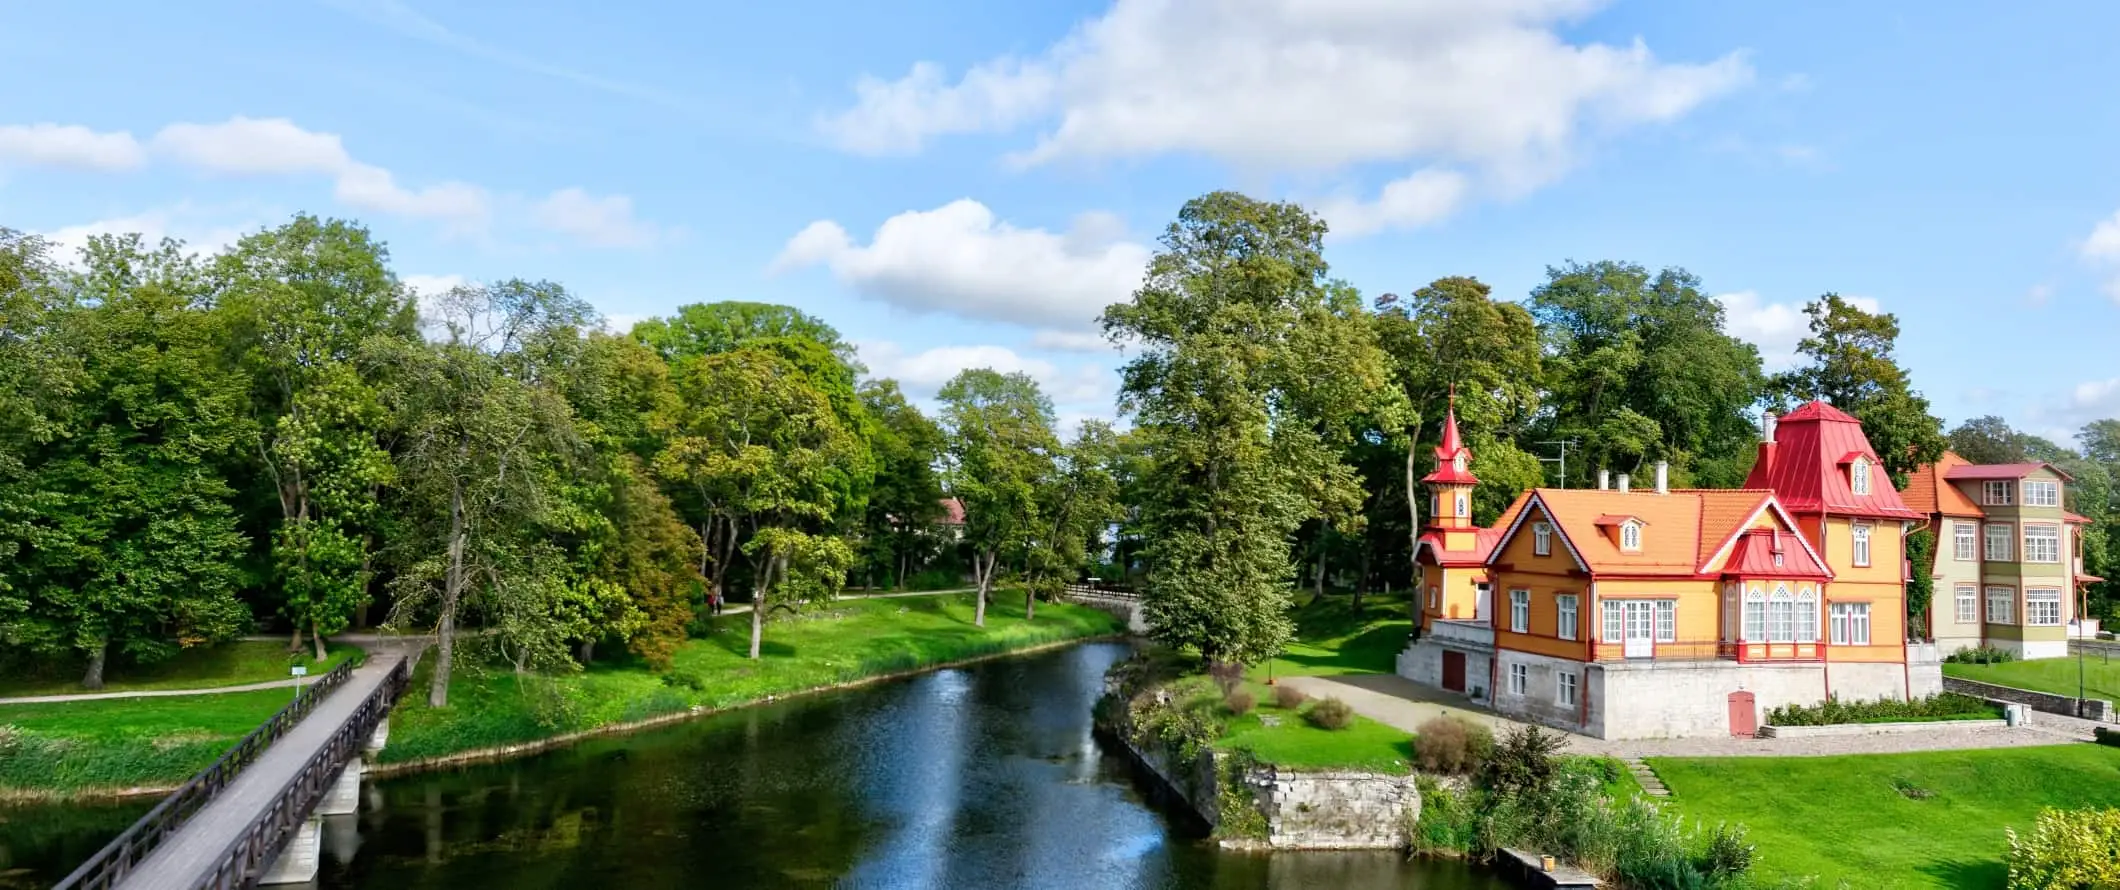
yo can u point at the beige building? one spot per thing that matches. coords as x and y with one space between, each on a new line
2009 556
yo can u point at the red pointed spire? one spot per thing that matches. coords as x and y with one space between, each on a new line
1452 459
1451 443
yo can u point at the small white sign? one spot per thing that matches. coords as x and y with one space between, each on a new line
301 670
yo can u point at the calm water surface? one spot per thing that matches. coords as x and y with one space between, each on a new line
982 777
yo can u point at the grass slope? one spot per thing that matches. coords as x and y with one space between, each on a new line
1848 819
229 664
849 640
126 742
1332 638
2101 675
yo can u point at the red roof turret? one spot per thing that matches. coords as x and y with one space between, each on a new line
1453 461
1806 466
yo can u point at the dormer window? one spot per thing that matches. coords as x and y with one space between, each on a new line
1630 535
1541 539
1458 462
1859 476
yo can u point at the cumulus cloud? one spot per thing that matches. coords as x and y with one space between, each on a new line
960 259
1070 341
1426 197
922 373
201 231
69 146
601 221
1488 85
2102 249
1774 327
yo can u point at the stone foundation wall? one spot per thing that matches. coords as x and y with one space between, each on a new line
1334 810
1804 732
1651 700
2093 709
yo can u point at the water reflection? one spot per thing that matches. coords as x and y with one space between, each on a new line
984 777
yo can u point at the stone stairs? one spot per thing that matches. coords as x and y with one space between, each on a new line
1651 785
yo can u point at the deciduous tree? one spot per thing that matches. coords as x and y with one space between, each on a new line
1001 449
1851 365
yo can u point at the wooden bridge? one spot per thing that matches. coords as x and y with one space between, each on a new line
252 817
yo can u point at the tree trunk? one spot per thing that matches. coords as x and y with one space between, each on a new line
1362 585
1030 602
318 638
93 681
294 640
758 610
1318 587
985 567
452 589
588 652
903 558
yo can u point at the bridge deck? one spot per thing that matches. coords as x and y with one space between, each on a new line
196 849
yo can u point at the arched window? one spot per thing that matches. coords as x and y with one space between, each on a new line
1807 616
1861 551
1859 476
1458 462
1463 509
1630 535
1755 615
1781 616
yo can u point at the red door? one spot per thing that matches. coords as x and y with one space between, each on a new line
1744 718
1454 671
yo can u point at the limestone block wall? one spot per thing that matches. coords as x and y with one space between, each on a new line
1540 700
2093 709
1334 810
1649 700
1422 663
1865 681
1925 669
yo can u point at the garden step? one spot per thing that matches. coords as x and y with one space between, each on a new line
1651 785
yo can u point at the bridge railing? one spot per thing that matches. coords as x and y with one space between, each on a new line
1100 591
248 855
112 863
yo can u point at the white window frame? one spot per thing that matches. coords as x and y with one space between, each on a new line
1860 551
1614 626
1859 476
1807 616
1851 624
1519 679
1435 598
1997 493
1965 537
2049 493
1630 536
1666 621
1968 600
1464 506
1781 616
2048 539
2042 607
2001 604
1755 627
1566 688
1520 611
1566 615
1541 539
2001 540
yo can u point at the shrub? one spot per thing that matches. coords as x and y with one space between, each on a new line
2106 736
2067 848
1239 702
1289 698
1452 745
1228 675
1942 706
1980 655
1725 853
1523 763
1180 730
685 678
1448 823
1330 713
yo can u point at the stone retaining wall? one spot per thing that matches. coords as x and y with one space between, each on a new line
1804 732
1303 810
2093 709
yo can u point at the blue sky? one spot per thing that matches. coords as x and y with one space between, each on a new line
954 183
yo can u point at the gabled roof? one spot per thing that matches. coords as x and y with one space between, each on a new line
1801 466
1675 526
1928 492
2003 471
1753 556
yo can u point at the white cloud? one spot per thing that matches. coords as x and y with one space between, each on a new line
2102 249
201 232
433 284
69 145
960 259
1491 86
922 373
2039 295
623 322
604 222
2059 418
1070 341
1426 197
279 147
1774 327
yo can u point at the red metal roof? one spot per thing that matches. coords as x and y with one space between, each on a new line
1927 492
1449 450
2002 471
1753 557
1801 466
2075 518
952 511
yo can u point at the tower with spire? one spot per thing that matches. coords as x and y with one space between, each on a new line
1450 487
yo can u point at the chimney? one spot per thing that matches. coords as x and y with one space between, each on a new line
1604 480
1622 483
1763 466
1663 477
1766 427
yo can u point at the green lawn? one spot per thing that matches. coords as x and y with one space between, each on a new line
66 746
846 641
1331 638
205 667
2101 675
1294 742
1924 820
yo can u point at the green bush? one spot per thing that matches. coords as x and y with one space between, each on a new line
1980 655
1447 825
1524 763
1942 706
2067 849
1228 675
1239 702
2106 736
1330 713
1289 698
1183 731
1452 745
934 579
684 678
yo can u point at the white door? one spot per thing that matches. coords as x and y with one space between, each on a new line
1483 601
1638 618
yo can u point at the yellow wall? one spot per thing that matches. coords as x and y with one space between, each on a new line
1699 613
1881 584
1458 588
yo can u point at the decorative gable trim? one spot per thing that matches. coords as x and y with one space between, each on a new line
1795 531
1559 531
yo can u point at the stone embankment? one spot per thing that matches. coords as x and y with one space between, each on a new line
2095 709
1294 809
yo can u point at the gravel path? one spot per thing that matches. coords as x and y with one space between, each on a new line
1402 703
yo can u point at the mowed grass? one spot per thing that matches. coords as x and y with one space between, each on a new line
2101 675
846 641
125 742
236 663
1921 820
1333 638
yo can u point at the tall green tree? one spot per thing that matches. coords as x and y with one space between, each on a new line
906 501
301 301
1251 371
1641 369
1077 503
134 547
38 378
1852 366
1001 449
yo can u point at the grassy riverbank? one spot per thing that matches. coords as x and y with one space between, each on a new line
1891 821
845 642
2100 675
237 663
67 747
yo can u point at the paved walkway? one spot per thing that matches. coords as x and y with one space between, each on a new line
745 608
197 847
1402 703
288 684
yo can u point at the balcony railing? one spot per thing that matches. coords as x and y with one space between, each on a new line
1465 633
1706 650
